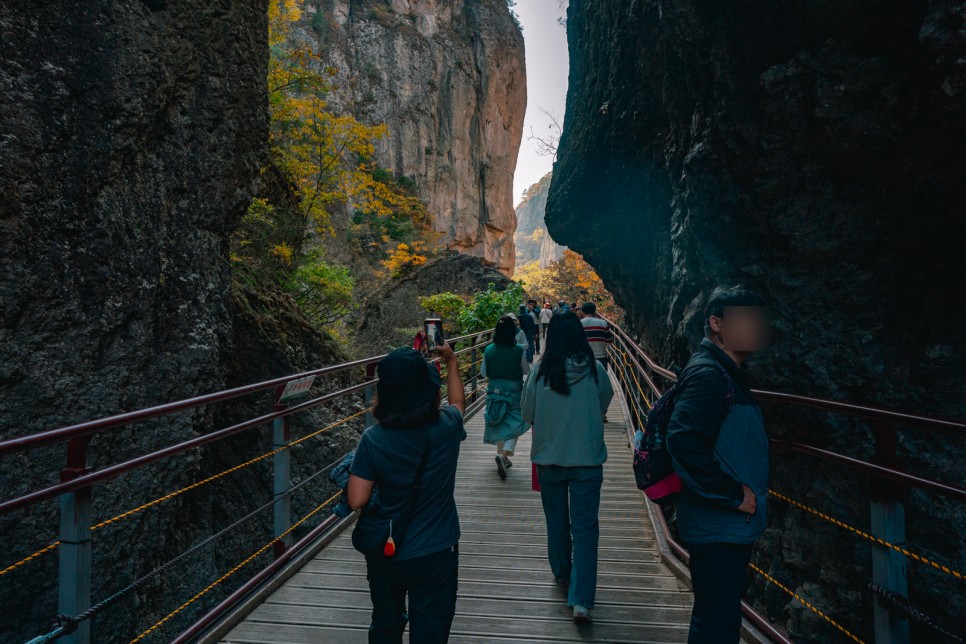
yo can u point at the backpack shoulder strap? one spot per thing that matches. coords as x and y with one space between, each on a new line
728 402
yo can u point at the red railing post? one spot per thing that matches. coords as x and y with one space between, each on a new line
888 522
74 564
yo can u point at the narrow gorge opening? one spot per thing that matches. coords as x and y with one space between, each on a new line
550 272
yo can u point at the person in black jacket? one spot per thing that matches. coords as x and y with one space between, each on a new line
717 441
529 328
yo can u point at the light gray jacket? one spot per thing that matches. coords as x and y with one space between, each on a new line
568 430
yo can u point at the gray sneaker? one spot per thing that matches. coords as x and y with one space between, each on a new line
581 616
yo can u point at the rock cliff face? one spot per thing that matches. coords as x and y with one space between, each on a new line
132 137
532 245
448 79
814 151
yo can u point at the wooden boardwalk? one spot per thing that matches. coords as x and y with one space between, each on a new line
506 589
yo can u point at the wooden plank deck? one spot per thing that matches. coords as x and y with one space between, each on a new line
506 589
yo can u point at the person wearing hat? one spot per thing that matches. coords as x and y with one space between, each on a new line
426 560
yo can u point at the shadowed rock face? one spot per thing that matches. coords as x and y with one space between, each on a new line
448 79
131 134
812 150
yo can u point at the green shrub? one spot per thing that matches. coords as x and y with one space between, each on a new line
487 306
323 290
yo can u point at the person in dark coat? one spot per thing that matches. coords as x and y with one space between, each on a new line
529 328
718 446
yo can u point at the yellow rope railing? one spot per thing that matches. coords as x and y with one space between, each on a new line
866 535
806 603
171 495
231 572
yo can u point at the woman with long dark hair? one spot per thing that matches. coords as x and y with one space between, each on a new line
504 365
565 399
411 455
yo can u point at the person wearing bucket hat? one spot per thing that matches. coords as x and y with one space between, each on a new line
414 437
407 381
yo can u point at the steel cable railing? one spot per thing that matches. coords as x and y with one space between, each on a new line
81 478
633 365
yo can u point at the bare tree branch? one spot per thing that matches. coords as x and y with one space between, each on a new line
547 144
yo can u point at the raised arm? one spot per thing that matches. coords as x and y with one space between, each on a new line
454 384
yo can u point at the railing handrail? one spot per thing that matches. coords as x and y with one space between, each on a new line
78 430
84 480
77 477
867 412
111 471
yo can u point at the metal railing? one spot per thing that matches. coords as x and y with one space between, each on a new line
639 374
77 478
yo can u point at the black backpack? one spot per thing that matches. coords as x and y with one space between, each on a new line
652 462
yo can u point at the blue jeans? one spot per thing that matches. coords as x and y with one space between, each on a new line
718 578
571 501
429 581
530 349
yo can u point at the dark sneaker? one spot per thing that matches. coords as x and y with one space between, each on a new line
501 466
581 616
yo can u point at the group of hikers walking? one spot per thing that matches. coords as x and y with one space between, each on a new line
715 437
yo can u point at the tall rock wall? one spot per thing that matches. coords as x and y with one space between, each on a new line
812 150
131 136
448 79
533 243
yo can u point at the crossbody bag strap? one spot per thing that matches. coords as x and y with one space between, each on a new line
417 484
421 468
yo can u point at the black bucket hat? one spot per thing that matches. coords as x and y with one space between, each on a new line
406 381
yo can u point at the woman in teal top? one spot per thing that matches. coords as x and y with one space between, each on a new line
505 365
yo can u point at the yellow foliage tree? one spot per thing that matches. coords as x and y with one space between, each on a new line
405 257
571 279
328 157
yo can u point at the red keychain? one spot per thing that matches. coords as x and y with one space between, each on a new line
390 548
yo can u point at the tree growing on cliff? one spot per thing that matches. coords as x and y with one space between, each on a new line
320 160
487 306
323 291
571 279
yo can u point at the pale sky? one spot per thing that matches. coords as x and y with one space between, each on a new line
547 68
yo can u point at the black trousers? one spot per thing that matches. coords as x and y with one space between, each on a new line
429 581
718 580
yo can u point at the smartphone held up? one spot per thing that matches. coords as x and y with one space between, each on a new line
434 333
